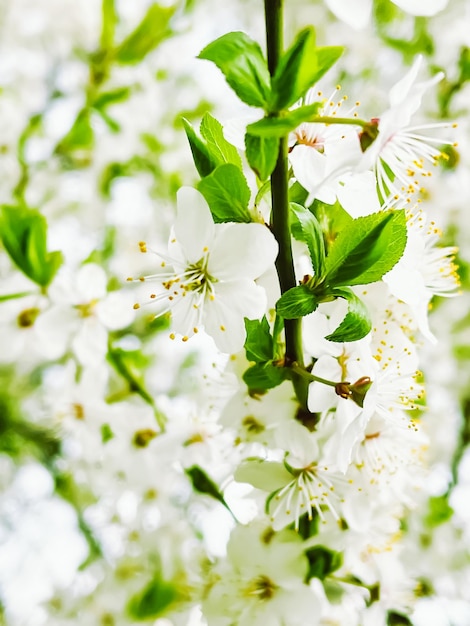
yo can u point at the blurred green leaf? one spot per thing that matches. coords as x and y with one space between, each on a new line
153 28
24 236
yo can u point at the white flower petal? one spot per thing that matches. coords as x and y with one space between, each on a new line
356 13
90 344
194 227
224 316
115 311
90 283
266 475
421 7
310 169
241 251
54 329
358 194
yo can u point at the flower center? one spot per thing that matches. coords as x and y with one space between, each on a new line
261 587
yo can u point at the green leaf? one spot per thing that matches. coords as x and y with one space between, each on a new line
80 136
299 68
24 235
153 28
356 324
203 484
332 219
259 342
440 511
106 433
397 619
241 61
14 296
212 131
109 19
312 234
204 159
297 302
227 194
322 562
154 599
261 153
107 98
263 376
326 58
279 126
367 250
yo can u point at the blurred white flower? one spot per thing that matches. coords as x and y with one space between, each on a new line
357 13
82 313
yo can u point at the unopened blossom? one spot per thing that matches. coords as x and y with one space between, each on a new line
211 282
357 13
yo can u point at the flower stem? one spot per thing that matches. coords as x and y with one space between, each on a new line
301 371
332 119
280 205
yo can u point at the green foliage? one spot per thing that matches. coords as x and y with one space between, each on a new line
14 296
398 619
259 342
155 599
204 159
80 137
356 324
23 233
447 88
213 149
212 131
106 433
297 302
18 437
367 249
153 28
202 483
302 65
311 233
261 153
108 24
439 512
421 41
263 376
114 96
227 194
322 562
242 62
279 126
332 218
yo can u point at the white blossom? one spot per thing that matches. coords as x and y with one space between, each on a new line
212 283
